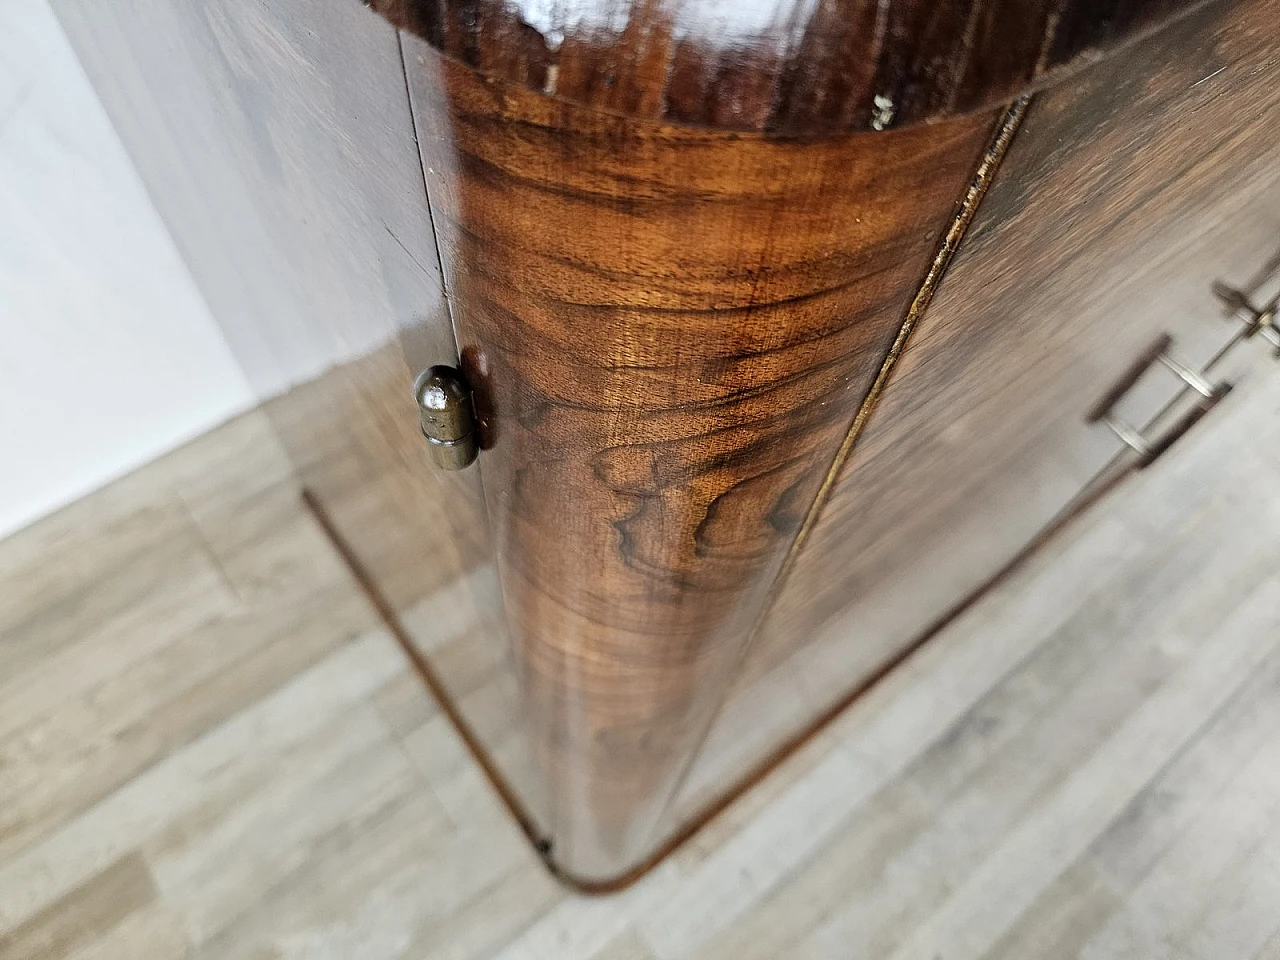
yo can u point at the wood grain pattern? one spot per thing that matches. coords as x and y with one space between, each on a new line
1125 195
671 330
785 67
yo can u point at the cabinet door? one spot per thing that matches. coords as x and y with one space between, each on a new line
1126 194
670 329
667 330
277 142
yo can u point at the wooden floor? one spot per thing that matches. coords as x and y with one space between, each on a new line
210 748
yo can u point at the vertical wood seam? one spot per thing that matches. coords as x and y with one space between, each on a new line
992 156
426 194
987 167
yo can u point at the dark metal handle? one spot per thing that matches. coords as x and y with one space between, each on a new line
1102 409
1150 448
1184 423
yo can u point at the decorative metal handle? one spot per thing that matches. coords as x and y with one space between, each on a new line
447 417
1149 448
1257 320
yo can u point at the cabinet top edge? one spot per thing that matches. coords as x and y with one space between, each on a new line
798 68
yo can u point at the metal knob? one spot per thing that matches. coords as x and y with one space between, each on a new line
447 418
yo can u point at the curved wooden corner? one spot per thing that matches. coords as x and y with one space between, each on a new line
670 331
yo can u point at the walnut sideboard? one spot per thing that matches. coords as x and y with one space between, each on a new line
776 331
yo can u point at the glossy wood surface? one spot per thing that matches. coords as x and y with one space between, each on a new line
783 66
1125 195
669 331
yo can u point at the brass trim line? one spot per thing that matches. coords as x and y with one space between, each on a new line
990 163
1001 137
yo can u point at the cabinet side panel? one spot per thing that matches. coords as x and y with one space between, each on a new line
670 330
277 143
1125 194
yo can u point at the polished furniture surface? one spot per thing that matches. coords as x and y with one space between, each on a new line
670 331
781 333
780 66
1126 194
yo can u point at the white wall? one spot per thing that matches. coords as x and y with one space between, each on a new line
108 355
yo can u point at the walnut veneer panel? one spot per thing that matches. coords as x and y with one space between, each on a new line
669 331
781 66
1126 193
